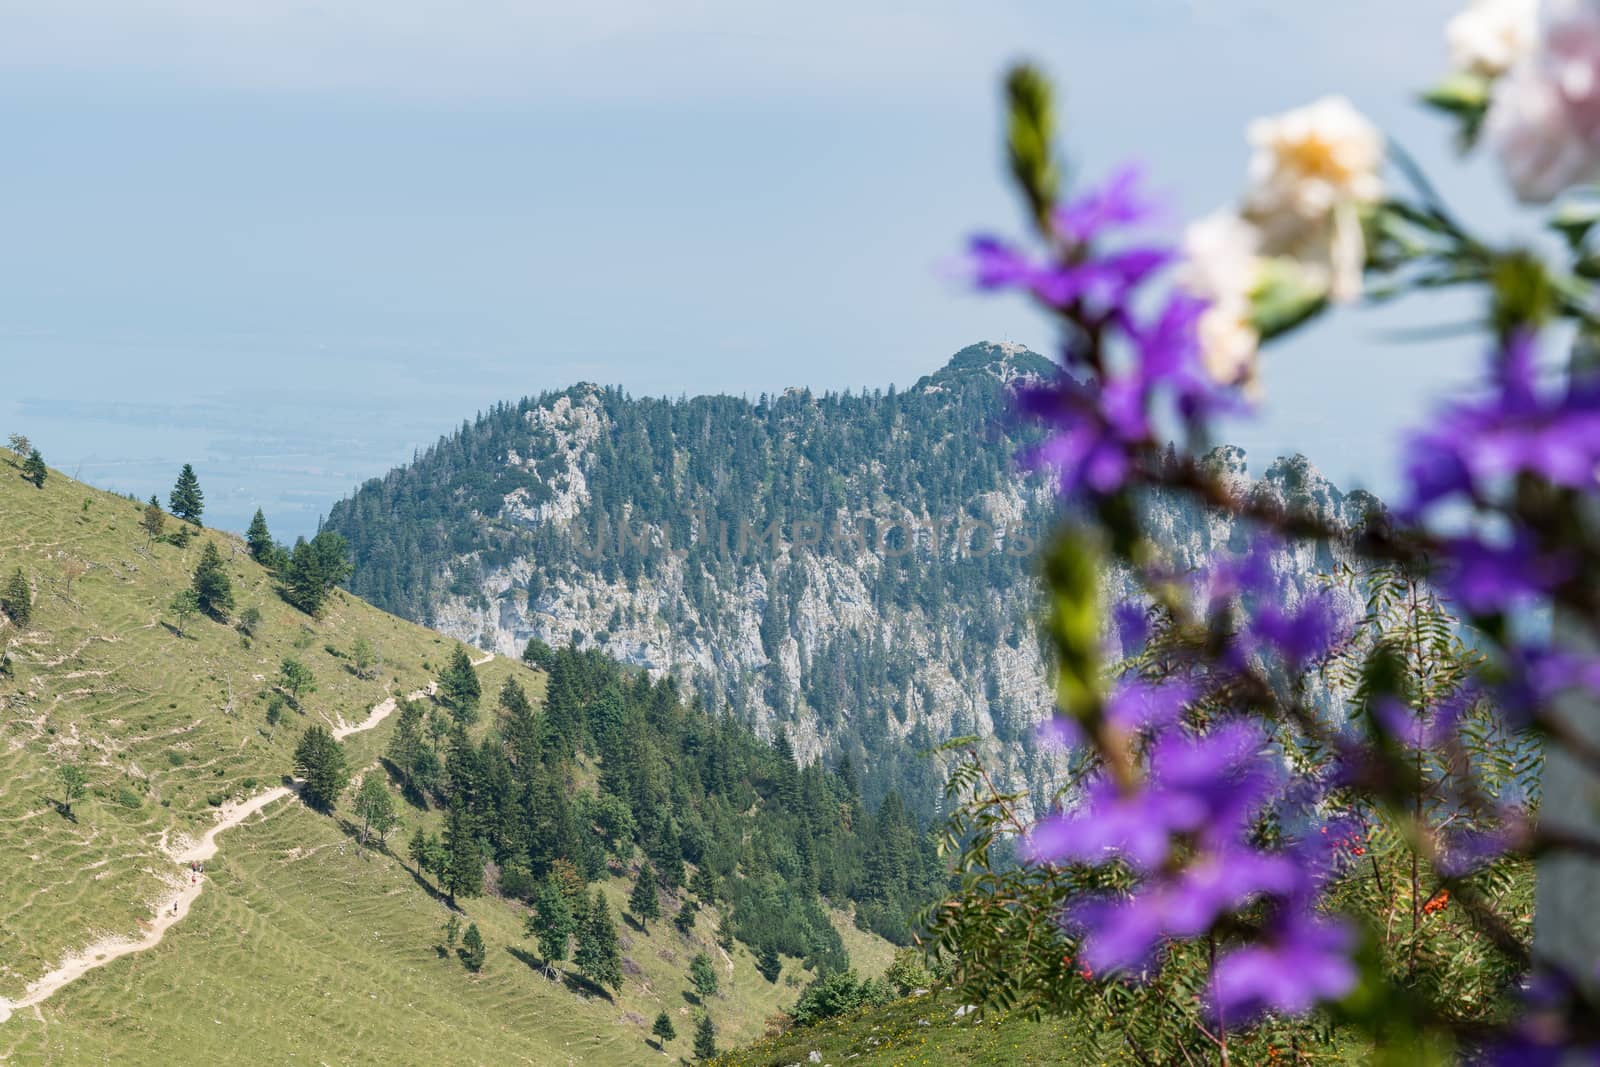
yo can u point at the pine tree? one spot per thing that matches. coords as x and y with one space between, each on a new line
463 858
472 950
599 957
153 521
17 600
705 1038
186 501
663 1028
518 726
375 808
644 902
185 605
259 538
405 744
452 930
320 760
426 852
551 922
314 568
768 965
459 688
211 584
703 975
34 470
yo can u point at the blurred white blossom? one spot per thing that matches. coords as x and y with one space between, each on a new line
1222 265
1311 159
1492 36
1544 116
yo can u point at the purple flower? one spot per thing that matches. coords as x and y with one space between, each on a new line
1299 634
1132 626
1213 783
1135 704
1306 961
1516 430
1103 283
1123 934
1489 579
1118 203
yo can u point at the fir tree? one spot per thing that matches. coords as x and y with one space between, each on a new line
259 538
768 965
705 1038
463 858
405 743
459 688
314 568
186 501
320 760
644 902
17 600
375 808
599 957
663 1028
211 585
703 975
34 470
452 930
518 725
154 521
472 950
551 922
426 852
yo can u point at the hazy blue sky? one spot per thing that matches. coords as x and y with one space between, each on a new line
291 242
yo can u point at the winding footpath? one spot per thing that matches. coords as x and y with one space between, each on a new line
175 906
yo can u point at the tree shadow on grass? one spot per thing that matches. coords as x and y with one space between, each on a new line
577 983
408 792
692 998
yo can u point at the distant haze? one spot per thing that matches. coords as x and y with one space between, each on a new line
290 247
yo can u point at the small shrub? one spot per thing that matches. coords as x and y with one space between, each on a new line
216 799
175 757
129 799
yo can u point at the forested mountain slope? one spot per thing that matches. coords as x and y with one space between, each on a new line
856 569
298 944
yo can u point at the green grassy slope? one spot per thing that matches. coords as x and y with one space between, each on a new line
924 1030
302 948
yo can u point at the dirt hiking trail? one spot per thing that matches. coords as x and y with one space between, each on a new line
186 883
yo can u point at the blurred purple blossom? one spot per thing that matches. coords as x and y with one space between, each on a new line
1473 446
1304 960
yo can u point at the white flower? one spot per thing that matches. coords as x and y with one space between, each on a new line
1313 158
1221 257
1492 36
1222 265
1544 115
1230 346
